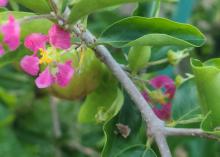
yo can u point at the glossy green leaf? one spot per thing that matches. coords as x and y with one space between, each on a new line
137 151
39 6
207 77
130 118
101 106
138 57
185 106
34 26
140 31
82 8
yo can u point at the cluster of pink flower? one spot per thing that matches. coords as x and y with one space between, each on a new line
36 42
3 3
162 105
54 72
11 35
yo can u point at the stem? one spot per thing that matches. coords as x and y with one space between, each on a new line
156 8
189 132
85 150
36 17
56 125
165 60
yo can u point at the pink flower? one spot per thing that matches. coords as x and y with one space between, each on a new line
30 64
64 74
163 113
59 38
167 86
45 79
11 32
3 3
2 51
36 41
164 82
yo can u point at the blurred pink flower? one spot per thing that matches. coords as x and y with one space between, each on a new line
3 3
35 41
45 79
64 74
167 86
59 38
11 33
30 64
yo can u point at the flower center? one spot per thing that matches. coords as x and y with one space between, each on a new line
44 57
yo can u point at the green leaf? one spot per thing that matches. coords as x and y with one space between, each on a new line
101 106
137 151
41 6
34 26
130 118
208 126
140 31
208 85
82 8
185 106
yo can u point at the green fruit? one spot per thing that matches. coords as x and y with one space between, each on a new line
87 77
139 57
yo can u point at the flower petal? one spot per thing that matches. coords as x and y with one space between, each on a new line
166 82
11 32
164 113
64 74
45 79
3 3
30 64
59 38
2 51
35 41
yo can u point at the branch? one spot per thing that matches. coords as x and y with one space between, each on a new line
155 125
35 17
189 132
56 125
85 150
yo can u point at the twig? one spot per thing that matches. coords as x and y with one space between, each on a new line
55 118
155 125
85 150
189 132
56 125
35 17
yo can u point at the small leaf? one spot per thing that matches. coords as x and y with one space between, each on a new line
140 31
41 6
185 106
101 106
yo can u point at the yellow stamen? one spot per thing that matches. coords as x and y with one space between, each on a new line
44 58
